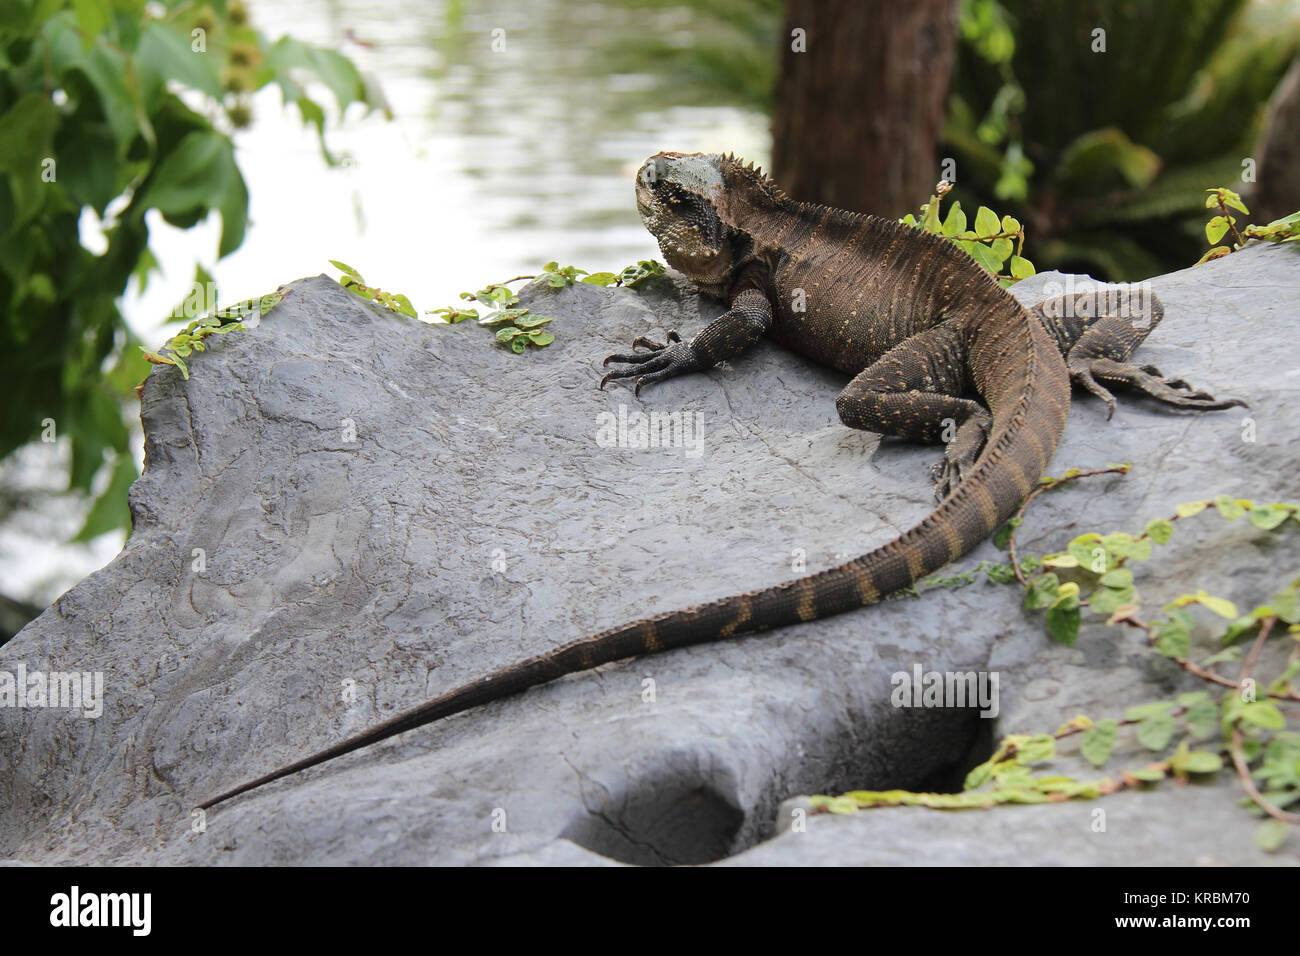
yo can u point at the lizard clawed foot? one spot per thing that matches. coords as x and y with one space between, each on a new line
948 474
662 361
1147 379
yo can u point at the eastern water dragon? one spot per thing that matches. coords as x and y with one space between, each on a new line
938 349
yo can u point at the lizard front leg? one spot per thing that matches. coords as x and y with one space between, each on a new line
747 321
915 391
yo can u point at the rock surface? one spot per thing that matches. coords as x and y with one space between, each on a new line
343 513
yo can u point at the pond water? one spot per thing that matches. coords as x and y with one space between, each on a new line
495 161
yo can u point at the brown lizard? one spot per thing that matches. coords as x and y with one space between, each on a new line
938 349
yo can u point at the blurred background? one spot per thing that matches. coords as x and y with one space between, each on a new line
152 150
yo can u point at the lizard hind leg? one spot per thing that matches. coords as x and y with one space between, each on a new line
1098 330
915 391
1101 355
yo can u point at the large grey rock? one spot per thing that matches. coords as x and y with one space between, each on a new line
475 519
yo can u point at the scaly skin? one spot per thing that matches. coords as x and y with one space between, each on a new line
938 351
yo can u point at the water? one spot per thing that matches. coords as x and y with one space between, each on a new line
494 163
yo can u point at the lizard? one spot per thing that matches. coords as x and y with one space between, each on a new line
937 349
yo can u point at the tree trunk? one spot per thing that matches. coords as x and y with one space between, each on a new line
861 100
1277 193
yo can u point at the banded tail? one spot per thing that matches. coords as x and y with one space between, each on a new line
1028 393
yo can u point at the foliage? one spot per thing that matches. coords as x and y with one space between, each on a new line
1252 730
118 108
393 301
519 329
993 243
1286 229
180 346
1043 118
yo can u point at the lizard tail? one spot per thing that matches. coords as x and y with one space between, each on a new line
1028 393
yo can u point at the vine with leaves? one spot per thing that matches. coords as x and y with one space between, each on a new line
1091 574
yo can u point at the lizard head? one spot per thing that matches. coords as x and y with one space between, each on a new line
693 204
679 196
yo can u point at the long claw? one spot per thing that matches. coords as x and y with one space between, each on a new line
1083 376
662 361
1147 379
626 357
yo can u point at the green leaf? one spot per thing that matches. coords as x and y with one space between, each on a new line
600 278
1141 711
986 223
1099 158
1285 605
1098 741
1202 718
200 174
1192 508
1160 530
1021 268
1229 508
1220 606
642 270
1003 536
1216 229
1262 713
109 72
1119 578
165 54
1173 638
1063 620
1000 249
1037 748
1271 834
1268 517
93 18
532 321
955 222
403 305
541 338
1233 201
1042 591
331 67
1201 761
346 269
27 132
1085 548
508 333
930 216
1106 601
1148 774
1123 545
1155 731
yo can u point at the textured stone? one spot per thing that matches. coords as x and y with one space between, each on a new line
476 520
